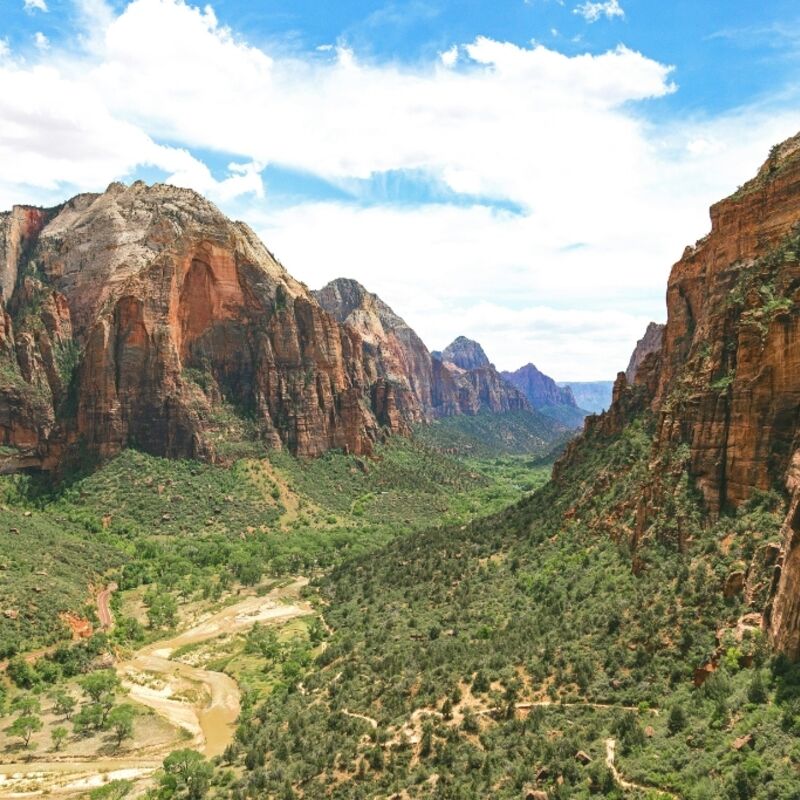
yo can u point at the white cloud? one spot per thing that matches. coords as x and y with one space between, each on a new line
41 41
592 12
36 5
606 201
449 57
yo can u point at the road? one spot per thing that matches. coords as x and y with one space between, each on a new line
103 600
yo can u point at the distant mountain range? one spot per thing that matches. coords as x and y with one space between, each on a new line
594 396
546 396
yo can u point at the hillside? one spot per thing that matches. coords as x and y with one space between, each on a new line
166 520
623 631
438 386
490 435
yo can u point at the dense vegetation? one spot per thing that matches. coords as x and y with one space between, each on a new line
530 649
474 662
190 529
487 435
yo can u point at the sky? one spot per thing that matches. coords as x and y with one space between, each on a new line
522 172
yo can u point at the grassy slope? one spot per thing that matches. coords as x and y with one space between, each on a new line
540 602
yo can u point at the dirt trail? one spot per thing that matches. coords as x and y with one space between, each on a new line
611 755
103 600
163 685
373 723
557 704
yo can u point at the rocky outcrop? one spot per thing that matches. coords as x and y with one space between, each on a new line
144 317
783 614
724 387
391 345
649 343
465 354
546 396
427 385
138 316
729 378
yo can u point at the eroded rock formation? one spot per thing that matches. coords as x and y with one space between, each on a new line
460 380
540 389
649 343
143 316
465 354
724 386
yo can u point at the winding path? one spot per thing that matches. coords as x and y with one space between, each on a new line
611 754
103 600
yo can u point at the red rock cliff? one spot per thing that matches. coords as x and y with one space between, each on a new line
139 315
725 382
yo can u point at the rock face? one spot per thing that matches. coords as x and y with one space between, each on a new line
464 353
139 316
144 317
396 351
426 385
546 396
728 382
724 387
649 343
594 396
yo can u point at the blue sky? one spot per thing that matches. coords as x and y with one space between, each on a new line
520 172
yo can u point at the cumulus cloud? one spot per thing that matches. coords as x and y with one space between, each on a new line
41 41
592 12
449 57
602 202
36 5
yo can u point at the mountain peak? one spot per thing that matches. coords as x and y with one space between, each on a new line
466 354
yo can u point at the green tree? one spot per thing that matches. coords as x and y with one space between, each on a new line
24 727
757 691
26 705
100 683
187 775
120 721
58 735
101 687
676 721
22 673
162 610
63 703
115 790
89 718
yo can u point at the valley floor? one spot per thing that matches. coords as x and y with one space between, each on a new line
200 706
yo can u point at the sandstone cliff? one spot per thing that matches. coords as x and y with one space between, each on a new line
465 354
390 345
427 385
723 388
649 343
545 395
142 316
